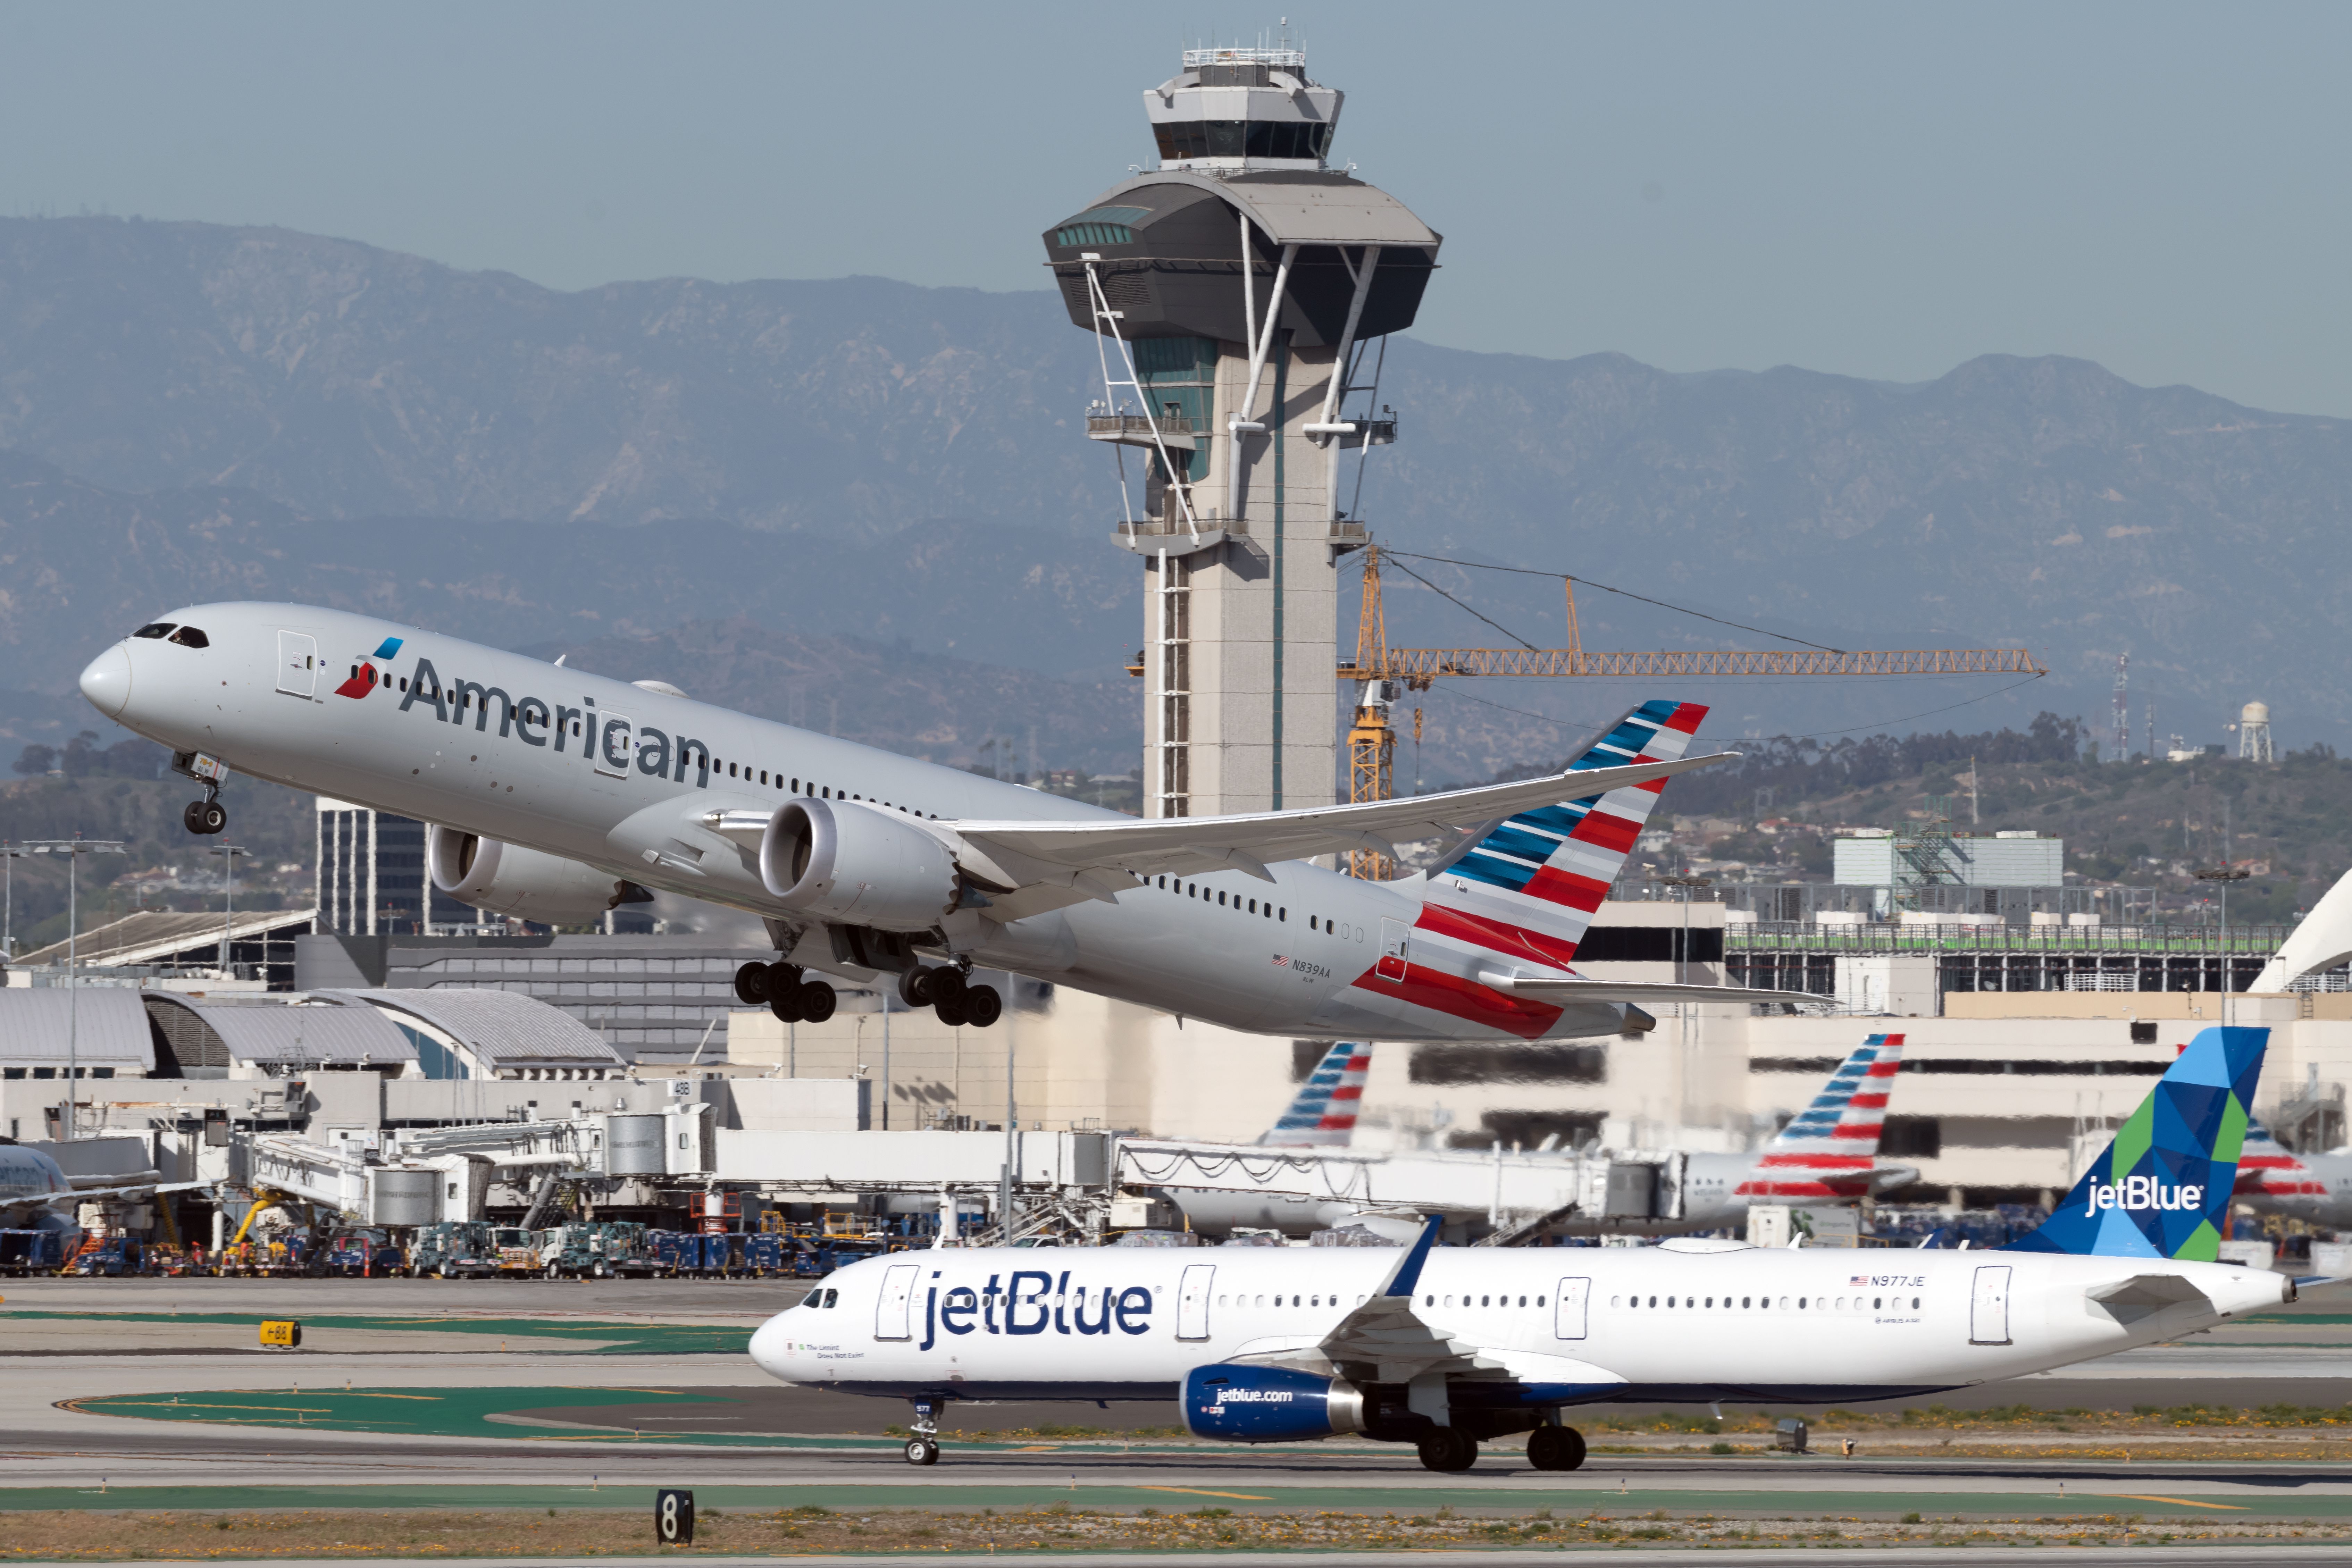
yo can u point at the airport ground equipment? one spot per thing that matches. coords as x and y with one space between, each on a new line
454 1249
112 1256
23 1252
363 1254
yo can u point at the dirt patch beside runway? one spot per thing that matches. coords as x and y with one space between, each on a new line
69 1536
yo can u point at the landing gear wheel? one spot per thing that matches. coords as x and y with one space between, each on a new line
1448 1450
922 1451
205 816
816 1002
982 1005
950 1010
752 983
947 985
785 1004
1556 1448
915 987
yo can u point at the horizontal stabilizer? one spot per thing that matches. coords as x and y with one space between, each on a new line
1559 989
2153 1292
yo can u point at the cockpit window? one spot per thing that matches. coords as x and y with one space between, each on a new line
189 637
153 629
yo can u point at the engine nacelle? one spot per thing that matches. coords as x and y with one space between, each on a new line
513 880
857 865
1242 1403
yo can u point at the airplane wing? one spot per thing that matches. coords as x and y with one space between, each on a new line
1101 856
1384 1333
140 1189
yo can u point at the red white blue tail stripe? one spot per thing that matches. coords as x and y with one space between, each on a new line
1520 894
2268 1169
1325 1110
1828 1150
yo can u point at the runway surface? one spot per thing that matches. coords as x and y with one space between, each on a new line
2185 1556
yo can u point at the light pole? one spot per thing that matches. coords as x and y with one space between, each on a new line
228 853
1682 958
2223 876
9 854
73 849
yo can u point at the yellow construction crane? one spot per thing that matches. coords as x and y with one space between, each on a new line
1372 741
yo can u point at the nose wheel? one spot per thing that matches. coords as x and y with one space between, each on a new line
206 816
923 1447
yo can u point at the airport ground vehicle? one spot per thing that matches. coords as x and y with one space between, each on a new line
363 1254
23 1252
112 1256
454 1249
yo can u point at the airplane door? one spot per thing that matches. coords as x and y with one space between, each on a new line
616 744
1568 1313
298 664
1193 1301
1988 1307
892 1312
1394 935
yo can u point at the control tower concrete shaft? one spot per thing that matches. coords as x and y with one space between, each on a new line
1241 293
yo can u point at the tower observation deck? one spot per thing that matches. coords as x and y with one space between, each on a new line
1241 294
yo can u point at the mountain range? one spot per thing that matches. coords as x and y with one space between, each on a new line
714 475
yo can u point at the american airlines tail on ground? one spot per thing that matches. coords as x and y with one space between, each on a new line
2274 1179
557 793
1444 1347
1324 1112
1827 1154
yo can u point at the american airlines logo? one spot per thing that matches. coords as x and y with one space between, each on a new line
364 678
2145 1193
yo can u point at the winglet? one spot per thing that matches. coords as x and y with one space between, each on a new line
1405 1278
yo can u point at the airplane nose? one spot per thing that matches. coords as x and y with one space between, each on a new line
768 1346
107 682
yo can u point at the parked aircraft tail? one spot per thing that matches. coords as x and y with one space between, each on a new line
1325 1110
2268 1169
2162 1188
1527 886
1829 1151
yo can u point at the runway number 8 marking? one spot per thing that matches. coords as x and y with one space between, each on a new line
674 1517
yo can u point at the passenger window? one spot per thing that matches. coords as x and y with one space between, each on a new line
154 629
189 637
1310 923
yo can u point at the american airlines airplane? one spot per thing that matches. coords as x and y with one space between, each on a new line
556 795
2274 1179
1445 1348
37 1194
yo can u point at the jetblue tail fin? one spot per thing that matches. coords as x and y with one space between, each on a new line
2162 1188
1528 886
1325 1110
1831 1150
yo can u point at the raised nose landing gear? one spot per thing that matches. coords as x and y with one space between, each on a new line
1556 1448
946 991
1448 1450
923 1447
208 816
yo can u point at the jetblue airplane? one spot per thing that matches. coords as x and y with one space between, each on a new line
1445 1348
554 794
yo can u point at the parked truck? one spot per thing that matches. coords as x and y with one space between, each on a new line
454 1249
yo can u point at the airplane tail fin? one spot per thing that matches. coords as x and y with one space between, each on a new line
1829 1150
1527 886
1325 1110
2267 1168
2162 1188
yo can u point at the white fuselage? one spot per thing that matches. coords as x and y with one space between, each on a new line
27 1178
559 760
1654 1323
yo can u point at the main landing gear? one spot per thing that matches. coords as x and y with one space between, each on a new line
946 991
1556 1448
923 1447
786 991
1448 1450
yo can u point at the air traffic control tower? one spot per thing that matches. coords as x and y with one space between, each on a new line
1240 295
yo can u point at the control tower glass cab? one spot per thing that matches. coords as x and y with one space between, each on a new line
1243 109
1240 295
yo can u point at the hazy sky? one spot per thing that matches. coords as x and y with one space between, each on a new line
1883 191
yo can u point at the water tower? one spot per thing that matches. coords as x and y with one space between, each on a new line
1240 295
2254 732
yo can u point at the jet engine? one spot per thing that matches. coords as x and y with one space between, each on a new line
513 880
1240 1404
857 865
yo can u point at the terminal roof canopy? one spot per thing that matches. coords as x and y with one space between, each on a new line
501 1029
272 1034
110 1029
